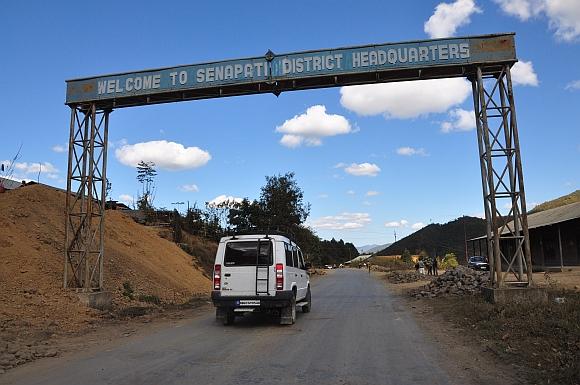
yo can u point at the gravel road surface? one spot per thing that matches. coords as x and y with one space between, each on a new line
357 333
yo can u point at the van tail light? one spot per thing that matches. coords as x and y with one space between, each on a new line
217 277
279 276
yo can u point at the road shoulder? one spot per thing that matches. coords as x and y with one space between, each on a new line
464 358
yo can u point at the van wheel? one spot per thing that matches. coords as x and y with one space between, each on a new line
288 314
229 317
306 308
225 316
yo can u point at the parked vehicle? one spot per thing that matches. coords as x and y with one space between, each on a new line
478 262
260 273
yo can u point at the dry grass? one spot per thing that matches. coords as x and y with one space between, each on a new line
542 339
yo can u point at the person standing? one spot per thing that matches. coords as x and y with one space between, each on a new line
435 267
421 267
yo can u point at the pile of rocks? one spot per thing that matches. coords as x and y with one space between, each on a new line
458 281
405 277
19 352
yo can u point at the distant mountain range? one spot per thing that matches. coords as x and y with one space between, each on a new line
369 249
439 239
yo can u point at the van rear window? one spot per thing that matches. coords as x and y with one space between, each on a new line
245 253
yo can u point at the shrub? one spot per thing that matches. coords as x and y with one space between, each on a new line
128 290
449 261
406 257
149 298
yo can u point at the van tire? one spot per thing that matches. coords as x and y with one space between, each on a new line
306 308
224 316
288 314
229 318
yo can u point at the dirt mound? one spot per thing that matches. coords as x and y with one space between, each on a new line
458 281
31 270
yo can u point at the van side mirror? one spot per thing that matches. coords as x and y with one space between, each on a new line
308 265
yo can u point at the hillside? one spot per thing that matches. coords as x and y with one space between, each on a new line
561 201
439 238
31 250
369 249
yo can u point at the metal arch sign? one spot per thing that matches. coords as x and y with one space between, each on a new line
301 70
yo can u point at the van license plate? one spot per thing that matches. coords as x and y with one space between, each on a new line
249 302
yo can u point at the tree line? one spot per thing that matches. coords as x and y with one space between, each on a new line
279 208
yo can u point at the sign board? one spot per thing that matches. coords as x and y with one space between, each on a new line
300 70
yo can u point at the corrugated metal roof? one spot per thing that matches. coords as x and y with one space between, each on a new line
10 184
547 217
555 215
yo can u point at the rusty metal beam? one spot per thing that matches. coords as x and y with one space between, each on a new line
85 199
502 178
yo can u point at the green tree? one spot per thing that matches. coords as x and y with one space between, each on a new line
282 200
146 176
406 256
449 261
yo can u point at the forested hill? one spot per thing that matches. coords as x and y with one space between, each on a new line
439 239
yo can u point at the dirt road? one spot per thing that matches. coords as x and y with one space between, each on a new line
357 333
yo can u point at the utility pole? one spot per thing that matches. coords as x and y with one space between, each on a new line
465 238
395 232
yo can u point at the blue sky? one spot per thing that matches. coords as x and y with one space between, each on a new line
416 162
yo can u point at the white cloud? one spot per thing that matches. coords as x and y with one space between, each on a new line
59 148
401 223
22 169
33 168
372 193
167 155
224 199
309 128
417 226
189 188
350 192
564 18
362 169
126 199
323 196
460 120
563 15
343 221
523 74
522 9
291 141
450 16
403 100
573 85
117 143
410 151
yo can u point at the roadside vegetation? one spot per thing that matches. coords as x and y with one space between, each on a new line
280 207
541 341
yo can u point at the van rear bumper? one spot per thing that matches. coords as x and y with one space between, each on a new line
282 298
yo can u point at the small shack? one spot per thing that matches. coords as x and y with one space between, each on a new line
554 238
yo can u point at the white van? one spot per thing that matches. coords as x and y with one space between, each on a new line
260 272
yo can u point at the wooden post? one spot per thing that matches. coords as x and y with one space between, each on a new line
560 248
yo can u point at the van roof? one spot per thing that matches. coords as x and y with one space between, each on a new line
256 236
